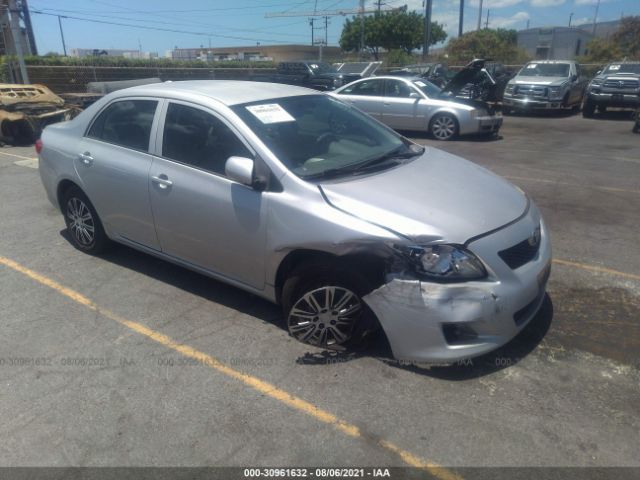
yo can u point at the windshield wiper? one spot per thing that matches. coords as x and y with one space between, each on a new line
361 167
394 154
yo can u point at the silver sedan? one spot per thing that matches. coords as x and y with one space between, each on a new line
301 199
405 103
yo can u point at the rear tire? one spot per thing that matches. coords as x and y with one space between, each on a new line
322 306
83 224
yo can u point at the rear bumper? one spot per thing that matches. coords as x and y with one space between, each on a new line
429 322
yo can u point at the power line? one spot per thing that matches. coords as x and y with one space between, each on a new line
63 14
172 30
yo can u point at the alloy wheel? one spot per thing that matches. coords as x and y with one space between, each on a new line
81 222
325 316
443 127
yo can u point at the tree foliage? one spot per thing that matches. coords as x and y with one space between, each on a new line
497 44
397 30
623 44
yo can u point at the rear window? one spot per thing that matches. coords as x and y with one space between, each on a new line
126 123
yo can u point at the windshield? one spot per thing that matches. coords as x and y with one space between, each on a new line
545 70
316 135
623 68
322 68
428 88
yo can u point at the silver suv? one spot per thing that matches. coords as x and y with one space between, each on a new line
301 199
545 84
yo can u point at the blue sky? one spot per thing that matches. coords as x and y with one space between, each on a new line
243 22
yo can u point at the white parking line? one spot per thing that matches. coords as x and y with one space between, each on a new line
17 156
29 162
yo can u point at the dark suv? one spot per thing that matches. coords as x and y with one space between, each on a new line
617 85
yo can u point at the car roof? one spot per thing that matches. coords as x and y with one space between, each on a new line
228 92
552 61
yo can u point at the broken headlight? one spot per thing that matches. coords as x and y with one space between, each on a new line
445 262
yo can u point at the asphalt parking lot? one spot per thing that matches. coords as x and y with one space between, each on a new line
125 360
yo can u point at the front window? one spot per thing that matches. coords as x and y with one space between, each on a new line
371 88
545 70
623 68
319 136
428 88
321 68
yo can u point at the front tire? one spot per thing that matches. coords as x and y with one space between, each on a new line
83 224
443 126
323 306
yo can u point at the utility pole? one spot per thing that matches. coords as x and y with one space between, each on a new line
26 17
461 20
595 17
479 15
570 17
16 35
428 4
486 25
361 50
311 21
64 45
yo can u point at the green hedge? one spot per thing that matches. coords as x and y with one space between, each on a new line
105 61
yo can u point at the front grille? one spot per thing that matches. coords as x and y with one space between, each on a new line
531 91
520 253
628 84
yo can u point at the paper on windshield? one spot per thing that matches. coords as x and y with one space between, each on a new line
420 84
532 65
270 113
614 67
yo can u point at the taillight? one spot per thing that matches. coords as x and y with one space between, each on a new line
38 146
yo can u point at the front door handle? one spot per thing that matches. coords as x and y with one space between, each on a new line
162 181
86 158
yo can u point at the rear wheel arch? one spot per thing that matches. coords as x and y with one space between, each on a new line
63 187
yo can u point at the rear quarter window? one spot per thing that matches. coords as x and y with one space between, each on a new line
126 123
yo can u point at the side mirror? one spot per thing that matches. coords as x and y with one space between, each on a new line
598 72
240 169
574 78
414 95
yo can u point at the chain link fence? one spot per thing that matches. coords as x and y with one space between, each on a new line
69 79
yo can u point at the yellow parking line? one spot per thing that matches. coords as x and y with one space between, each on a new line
18 156
261 386
594 268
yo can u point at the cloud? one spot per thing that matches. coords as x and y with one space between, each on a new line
546 3
590 2
495 3
505 22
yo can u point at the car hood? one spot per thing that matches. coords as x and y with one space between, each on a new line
474 73
522 79
437 196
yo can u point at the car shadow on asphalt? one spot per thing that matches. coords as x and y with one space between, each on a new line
374 345
614 115
191 282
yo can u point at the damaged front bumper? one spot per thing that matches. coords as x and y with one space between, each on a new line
428 322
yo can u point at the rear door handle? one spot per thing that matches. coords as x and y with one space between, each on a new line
162 181
86 158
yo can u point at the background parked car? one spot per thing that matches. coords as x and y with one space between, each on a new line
616 85
412 103
437 73
546 84
310 74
